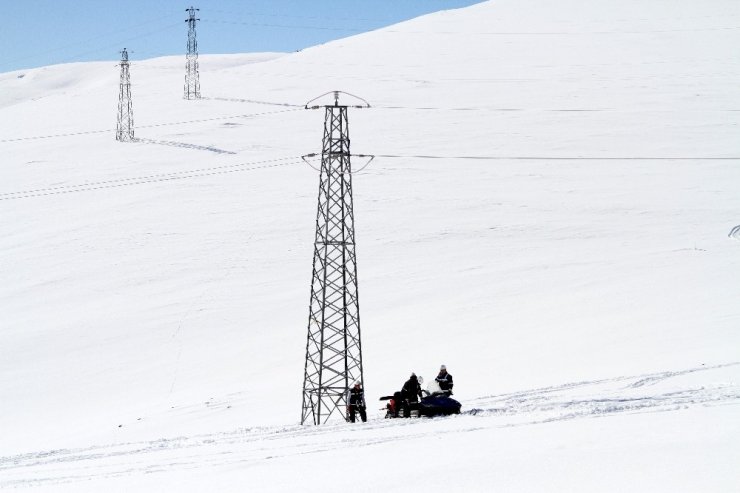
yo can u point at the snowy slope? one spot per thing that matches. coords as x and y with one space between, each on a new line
154 304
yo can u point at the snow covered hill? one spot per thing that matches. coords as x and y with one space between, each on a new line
553 214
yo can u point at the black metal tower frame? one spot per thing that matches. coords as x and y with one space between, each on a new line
192 77
125 125
333 346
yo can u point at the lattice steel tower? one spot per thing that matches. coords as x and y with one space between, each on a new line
333 348
125 127
192 78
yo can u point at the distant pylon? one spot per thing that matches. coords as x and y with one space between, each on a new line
125 127
333 347
192 79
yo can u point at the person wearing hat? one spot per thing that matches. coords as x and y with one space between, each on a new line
356 402
444 380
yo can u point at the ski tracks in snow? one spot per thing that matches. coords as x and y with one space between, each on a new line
657 392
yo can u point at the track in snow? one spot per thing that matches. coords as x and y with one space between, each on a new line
645 393
183 145
657 392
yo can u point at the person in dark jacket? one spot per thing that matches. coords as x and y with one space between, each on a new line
356 402
444 380
410 395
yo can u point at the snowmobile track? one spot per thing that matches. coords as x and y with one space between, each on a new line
671 391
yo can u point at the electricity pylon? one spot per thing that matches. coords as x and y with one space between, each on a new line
192 78
333 347
125 126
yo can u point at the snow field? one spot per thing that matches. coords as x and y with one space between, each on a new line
155 294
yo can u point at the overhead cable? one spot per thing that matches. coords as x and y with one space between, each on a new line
154 125
177 175
561 158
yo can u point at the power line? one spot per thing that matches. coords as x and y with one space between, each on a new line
473 108
297 107
284 16
560 158
165 124
70 134
217 118
285 161
176 175
459 108
683 61
506 80
86 41
284 26
253 101
124 41
479 33
564 33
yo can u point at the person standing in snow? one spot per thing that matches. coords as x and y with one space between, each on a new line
444 380
356 402
410 394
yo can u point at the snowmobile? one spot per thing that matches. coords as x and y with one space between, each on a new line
434 402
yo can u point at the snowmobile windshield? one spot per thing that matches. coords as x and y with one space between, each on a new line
433 386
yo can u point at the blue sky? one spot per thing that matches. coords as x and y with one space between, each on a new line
45 32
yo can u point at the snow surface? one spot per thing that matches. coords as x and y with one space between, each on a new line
155 294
